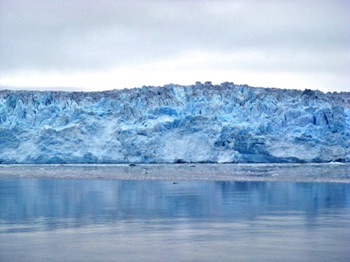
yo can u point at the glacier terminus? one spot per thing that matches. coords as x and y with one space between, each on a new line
204 123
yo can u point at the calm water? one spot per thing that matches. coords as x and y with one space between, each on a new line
119 220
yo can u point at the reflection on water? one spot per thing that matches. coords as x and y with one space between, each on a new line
101 220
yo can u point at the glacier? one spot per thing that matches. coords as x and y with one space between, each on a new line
200 123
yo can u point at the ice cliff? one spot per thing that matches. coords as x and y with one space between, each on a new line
197 123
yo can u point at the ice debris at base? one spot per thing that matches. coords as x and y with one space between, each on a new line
174 124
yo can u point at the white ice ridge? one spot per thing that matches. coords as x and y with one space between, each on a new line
172 124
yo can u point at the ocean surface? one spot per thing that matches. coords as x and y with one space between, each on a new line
175 213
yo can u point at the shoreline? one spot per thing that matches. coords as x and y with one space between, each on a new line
240 172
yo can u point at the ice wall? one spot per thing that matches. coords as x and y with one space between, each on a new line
197 123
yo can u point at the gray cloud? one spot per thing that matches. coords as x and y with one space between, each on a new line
87 35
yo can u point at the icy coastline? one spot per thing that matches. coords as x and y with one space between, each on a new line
203 123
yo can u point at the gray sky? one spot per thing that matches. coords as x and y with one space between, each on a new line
99 45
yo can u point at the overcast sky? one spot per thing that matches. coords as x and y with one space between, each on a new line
100 45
